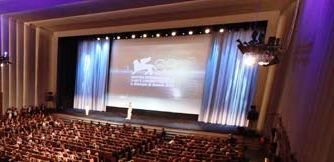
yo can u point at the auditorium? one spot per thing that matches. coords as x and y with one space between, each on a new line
166 81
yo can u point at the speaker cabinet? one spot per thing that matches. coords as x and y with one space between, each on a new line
49 97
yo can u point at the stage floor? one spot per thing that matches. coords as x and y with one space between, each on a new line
154 119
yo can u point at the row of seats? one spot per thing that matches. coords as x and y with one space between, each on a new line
194 149
40 137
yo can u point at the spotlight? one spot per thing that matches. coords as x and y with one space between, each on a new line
133 36
265 54
207 31
166 35
144 35
173 33
98 38
190 32
118 37
241 46
249 60
221 30
262 63
273 61
157 35
107 38
4 59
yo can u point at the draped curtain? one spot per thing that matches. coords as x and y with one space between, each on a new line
229 82
91 75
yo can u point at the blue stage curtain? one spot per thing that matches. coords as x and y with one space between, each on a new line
229 83
92 74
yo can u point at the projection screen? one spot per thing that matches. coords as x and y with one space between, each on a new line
159 74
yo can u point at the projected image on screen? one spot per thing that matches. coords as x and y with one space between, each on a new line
160 74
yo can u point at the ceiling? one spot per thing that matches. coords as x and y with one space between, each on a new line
63 15
39 9
7 6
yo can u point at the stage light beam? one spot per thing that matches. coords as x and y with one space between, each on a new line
249 60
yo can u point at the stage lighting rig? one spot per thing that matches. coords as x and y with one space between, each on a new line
265 54
4 59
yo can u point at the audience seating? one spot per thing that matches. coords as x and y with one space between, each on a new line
34 135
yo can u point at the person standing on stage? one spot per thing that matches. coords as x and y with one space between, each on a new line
252 117
128 117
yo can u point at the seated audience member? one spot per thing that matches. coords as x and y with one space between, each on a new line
9 113
35 136
231 139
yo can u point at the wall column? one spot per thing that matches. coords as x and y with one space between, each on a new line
12 67
282 30
29 65
4 69
19 64
43 62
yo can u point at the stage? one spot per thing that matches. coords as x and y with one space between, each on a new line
154 118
